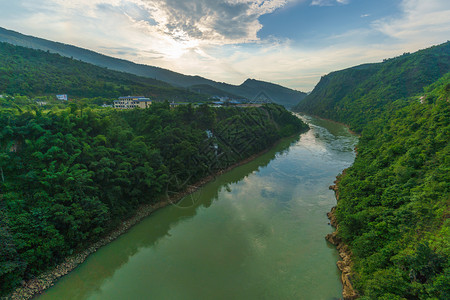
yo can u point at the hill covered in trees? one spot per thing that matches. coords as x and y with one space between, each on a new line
357 95
393 207
32 72
249 89
67 177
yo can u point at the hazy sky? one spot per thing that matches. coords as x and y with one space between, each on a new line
290 42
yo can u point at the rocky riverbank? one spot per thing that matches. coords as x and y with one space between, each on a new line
344 265
44 281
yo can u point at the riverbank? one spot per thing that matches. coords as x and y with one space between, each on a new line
44 281
344 265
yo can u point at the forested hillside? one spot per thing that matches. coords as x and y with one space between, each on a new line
360 94
249 89
33 73
393 207
67 177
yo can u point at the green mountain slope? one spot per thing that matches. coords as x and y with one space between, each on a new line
32 72
394 202
393 207
357 95
279 94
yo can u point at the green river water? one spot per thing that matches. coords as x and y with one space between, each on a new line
256 232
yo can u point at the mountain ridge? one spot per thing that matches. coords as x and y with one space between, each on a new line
278 93
31 72
358 94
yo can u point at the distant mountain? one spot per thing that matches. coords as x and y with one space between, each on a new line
33 72
249 89
210 90
357 95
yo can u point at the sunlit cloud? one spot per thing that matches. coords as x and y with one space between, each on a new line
208 21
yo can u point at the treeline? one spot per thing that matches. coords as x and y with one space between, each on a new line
358 95
32 72
68 177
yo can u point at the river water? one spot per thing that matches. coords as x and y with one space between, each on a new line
256 232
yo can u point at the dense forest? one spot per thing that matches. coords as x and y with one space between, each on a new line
357 95
36 73
393 205
69 176
393 208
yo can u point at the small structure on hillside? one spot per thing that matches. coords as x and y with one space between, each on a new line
41 103
62 97
176 104
130 102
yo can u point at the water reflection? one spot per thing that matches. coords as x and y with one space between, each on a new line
255 232
100 267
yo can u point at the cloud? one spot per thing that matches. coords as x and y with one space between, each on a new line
422 22
329 2
211 21
208 21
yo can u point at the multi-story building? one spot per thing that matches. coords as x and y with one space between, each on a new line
131 102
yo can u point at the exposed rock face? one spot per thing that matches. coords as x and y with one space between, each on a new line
344 265
332 218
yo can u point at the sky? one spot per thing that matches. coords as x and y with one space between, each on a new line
289 42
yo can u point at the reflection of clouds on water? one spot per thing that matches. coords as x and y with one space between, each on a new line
258 229
272 209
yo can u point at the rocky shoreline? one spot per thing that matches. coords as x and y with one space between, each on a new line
37 285
344 265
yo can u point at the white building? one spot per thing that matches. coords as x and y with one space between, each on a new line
131 102
62 97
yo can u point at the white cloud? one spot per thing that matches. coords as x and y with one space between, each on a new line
422 22
210 21
329 2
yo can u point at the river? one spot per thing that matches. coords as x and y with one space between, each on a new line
256 232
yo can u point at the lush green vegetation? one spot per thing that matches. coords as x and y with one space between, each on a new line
360 94
69 176
394 201
393 208
31 72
